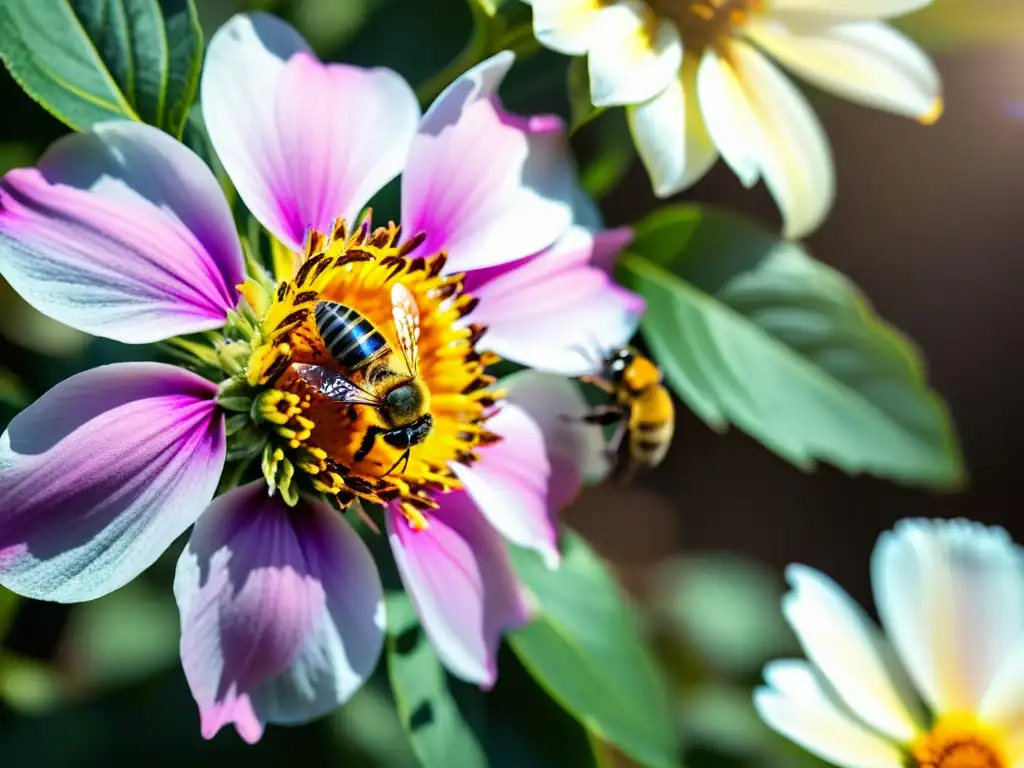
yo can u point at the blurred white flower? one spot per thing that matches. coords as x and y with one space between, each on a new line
950 595
697 84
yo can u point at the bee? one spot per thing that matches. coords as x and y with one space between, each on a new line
390 381
642 411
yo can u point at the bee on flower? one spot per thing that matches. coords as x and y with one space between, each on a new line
698 81
943 689
357 374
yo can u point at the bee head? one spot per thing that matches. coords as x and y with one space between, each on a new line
618 362
406 403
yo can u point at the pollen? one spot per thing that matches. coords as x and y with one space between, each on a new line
960 742
315 440
703 23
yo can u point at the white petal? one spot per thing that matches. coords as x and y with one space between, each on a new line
671 136
795 705
789 142
951 598
565 26
839 639
633 55
729 117
867 62
852 9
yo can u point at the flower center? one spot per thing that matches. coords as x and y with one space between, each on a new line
368 381
703 23
960 742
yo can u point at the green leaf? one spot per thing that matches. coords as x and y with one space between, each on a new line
437 728
86 61
726 607
753 331
581 109
12 394
585 648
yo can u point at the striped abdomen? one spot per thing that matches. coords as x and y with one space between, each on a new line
348 336
651 424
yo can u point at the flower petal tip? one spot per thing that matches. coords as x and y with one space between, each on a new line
934 113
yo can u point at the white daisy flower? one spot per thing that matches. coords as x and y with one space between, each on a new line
951 599
697 83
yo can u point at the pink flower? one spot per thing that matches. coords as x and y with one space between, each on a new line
123 232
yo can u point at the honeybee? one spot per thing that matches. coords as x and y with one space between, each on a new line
642 410
399 396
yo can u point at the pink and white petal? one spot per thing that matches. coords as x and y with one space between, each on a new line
121 232
485 185
795 704
577 452
951 597
848 9
512 483
792 151
867 62
556 312
101 475
282 124
565 26
671 136
634 55
840 640
459 578
282 612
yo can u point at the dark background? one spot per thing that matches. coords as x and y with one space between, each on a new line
928 223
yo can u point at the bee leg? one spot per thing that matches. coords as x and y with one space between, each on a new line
403 458
602 384
602 415
366 446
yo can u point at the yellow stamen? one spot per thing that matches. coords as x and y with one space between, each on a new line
322 436
960 741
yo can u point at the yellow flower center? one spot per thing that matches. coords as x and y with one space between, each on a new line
703 23
960 742
323 440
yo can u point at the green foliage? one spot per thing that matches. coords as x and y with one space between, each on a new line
87 61
753 331
727 607
581 109
585 648
440 734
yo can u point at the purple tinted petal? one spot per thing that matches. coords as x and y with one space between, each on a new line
459 578
510 483
282 612
485 185
121 232
576 452
303 142
556 311
100 475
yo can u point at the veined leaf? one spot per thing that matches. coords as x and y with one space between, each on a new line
86 61
585 648
440 735
753 331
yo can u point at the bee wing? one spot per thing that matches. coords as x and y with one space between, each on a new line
336 386
407 325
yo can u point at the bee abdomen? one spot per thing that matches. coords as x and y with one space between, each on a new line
350 338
